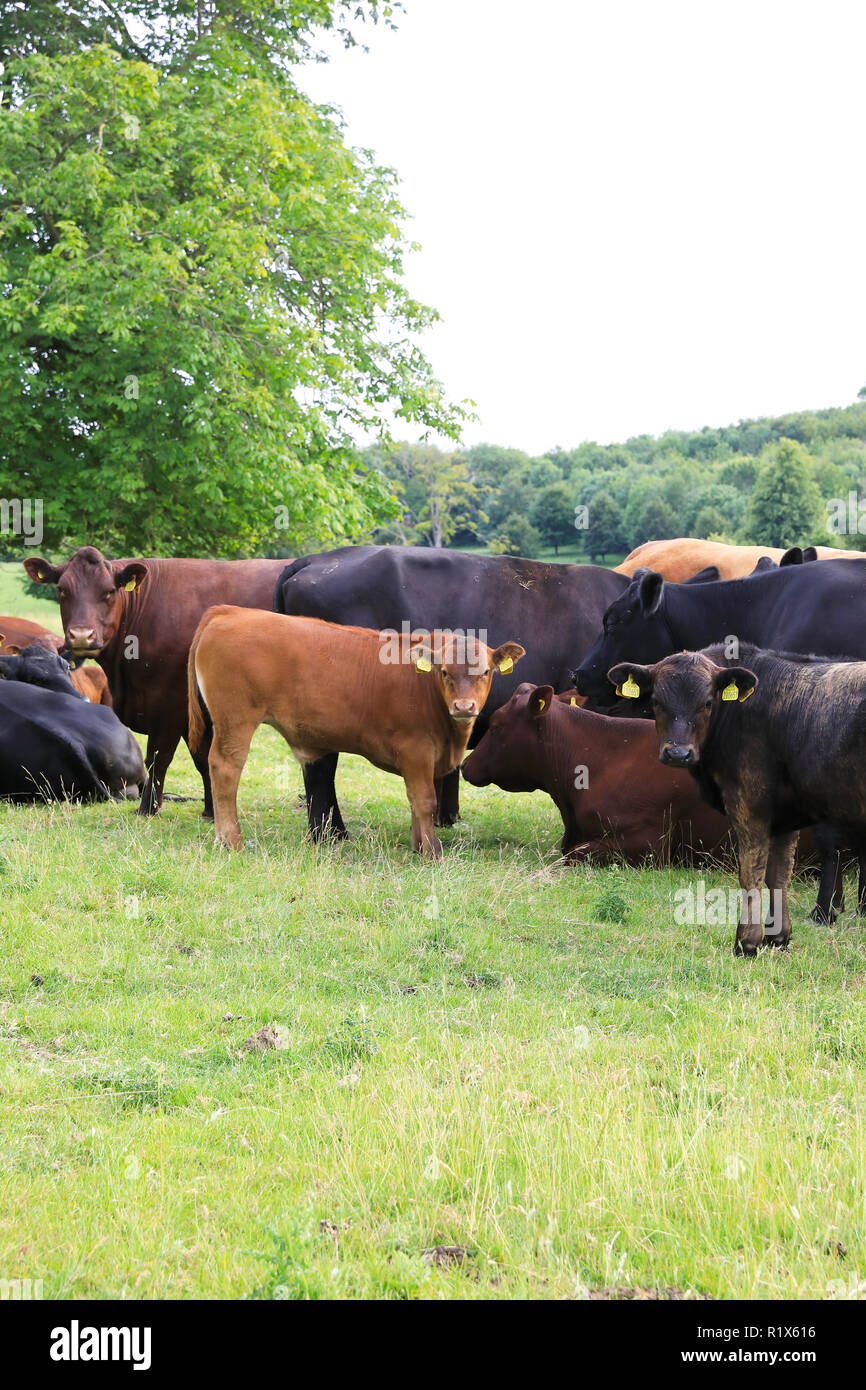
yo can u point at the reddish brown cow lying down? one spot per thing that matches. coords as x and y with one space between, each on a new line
407 707
614 796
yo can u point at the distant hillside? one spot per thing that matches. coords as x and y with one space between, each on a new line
773 481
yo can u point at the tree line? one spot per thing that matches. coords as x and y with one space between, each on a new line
793 479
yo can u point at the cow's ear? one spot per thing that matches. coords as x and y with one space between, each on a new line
540 701
708 575
766 562
735 683
129 576
632 682
792 556
650 592
504 657
421 657
41 572
810 554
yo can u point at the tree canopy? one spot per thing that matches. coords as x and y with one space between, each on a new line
201 294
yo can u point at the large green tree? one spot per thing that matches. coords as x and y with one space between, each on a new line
785 507
201 297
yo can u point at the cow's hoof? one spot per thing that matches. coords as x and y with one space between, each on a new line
207 816
824 918
742 948
448 819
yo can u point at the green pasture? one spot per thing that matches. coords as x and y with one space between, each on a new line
495 1078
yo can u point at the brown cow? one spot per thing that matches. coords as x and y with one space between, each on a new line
604 776
137 618
92 682
406 707
21 633
679 559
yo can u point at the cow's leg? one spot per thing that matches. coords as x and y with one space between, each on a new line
228 755
323 813
161 748
448 798
831 897
200 758
753 848
780 864
422 799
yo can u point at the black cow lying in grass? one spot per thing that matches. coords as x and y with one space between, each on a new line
776 743
54 744
37 666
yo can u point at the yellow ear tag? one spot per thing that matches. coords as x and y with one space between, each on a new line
130 586
630 689
41 574
573 701
506 665
422 664
540 704
731 692
750 691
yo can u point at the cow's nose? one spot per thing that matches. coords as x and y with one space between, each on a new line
464 708
677 755
81 636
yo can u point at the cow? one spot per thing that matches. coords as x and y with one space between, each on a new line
56 746
808 608
776 742
136 618
678 559
38 666
21 632
603 775
408 707
554 609
801 608
17 634
91 681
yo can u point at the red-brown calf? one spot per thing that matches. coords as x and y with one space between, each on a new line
408 707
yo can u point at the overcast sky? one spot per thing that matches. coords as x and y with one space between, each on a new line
635 215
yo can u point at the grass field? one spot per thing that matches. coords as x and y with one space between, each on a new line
470 1058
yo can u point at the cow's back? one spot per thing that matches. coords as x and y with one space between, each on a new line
679 559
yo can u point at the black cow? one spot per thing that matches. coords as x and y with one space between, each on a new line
797 606
59 747
808 608
776 742
554 610
38 666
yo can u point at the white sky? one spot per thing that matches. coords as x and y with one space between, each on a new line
634 214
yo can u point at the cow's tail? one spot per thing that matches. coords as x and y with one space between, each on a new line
195 703
288 573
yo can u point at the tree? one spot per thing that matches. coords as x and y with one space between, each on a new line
203 295
519 537
785 507
437 493
656 522
604 532
710 522
553 515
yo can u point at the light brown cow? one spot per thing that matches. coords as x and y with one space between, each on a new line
678 560
406 706
92 682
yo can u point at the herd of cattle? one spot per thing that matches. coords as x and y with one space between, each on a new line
696 690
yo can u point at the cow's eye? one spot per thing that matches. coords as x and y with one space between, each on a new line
708 705
109 593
